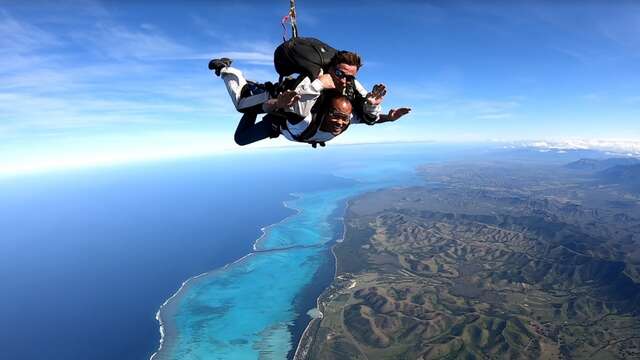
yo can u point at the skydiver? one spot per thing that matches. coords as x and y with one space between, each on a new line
296 113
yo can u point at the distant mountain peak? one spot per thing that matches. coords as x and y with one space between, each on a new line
626 175
601 164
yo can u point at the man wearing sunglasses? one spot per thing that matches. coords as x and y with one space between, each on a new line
305 114
330 117
341 76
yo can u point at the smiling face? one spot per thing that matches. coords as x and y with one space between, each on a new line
342 75
338 117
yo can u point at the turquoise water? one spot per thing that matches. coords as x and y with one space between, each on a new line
246 310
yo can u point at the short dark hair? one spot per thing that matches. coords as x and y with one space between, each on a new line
328 97
339 97
346 57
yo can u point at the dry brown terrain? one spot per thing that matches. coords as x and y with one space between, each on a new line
490 261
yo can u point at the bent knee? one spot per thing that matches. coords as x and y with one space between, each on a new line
241 141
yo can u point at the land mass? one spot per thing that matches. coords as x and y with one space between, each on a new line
488 260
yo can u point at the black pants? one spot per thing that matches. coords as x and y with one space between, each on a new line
248 131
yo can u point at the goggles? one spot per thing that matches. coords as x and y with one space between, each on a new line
341 75
336 114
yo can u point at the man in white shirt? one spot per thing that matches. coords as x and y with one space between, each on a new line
297 114
341 75
330 117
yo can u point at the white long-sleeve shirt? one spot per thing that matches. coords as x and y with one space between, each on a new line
309 92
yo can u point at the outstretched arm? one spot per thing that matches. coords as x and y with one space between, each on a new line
393 115
368 103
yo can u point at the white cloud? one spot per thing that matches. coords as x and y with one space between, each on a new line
105 152
43 94
631 147
119 42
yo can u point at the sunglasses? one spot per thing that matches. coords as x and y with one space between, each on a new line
341 75
336 114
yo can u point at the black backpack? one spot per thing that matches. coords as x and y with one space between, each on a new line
302 55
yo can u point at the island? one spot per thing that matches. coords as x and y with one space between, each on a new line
488 261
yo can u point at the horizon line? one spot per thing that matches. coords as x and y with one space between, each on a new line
157 155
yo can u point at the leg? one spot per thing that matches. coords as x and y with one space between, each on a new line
249 132
235 83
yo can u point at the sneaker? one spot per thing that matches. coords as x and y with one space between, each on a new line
219 64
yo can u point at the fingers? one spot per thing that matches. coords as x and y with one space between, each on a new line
294 99
287 98
286 94
289 94
395 114
379 90
292 95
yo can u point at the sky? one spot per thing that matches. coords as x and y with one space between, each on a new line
97 82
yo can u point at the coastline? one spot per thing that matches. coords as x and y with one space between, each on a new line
308 335
322 280
265 229
162 324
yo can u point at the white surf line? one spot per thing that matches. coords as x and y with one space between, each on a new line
159 318
298 211
296 196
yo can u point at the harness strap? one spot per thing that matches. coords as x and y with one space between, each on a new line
284 28
292 15
291 18
279 123
280 120
316 121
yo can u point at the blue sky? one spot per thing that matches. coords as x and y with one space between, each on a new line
86 82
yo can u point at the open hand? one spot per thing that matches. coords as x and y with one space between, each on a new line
376 95
395 114
287 98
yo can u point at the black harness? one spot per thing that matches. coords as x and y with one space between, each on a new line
319 113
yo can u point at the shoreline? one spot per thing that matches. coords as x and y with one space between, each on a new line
337 220
308 336
264 229
306 339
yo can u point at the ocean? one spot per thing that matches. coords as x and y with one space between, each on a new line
88 257
255 308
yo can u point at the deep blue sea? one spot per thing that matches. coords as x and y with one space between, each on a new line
88 257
